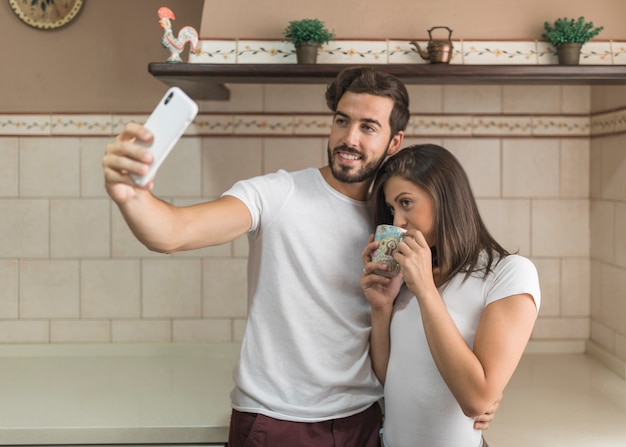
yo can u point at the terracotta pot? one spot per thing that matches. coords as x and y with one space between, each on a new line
569 53
306 53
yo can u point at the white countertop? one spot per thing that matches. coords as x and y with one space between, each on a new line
115 393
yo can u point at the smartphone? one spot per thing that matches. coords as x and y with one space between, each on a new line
168 122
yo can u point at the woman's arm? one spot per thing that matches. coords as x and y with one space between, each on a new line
477 377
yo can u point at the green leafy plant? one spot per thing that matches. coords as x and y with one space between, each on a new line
565 30
308 31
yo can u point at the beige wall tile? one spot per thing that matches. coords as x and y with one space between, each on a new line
295 98
561 329
620 346
123 242
607 97
620 234
49 289
508 221
472 99
595 167
560 228
481 161
574 169
91 173
223 162
24 230
602 230
110 289
80 228
603 336
575 99
596 288
24 331
49 167
80 331
425 98
181 172
171 288
141 331
613 287
239 328
8 289
576 287
292 154
531 99
549 271
530 168
196 331
614 168
240 247
8 167
225 288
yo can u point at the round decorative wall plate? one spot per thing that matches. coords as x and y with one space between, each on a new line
46 14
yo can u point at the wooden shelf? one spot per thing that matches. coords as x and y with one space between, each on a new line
207 81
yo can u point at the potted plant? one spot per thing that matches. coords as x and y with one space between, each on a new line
307 35
568 37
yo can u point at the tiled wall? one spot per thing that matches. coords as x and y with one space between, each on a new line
71 270
608 243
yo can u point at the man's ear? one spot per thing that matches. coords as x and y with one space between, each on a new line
396 143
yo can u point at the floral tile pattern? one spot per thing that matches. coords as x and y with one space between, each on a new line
447 125
395 51
215 52
596 53
561 126
81 124
420 125
312 125
494 53
25 124
353 51
502 125
265 52
618 50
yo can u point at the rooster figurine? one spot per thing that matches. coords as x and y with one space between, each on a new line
175 44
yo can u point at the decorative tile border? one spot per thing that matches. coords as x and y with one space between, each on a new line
237 124
395 51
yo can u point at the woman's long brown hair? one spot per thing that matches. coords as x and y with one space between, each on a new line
460 234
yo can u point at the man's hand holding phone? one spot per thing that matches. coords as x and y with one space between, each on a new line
131 161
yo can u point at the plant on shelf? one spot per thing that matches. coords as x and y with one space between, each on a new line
307 35
568 37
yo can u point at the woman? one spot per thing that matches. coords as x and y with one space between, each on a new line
450 329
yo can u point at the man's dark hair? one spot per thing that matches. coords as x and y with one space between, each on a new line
375 82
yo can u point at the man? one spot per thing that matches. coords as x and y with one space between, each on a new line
304 376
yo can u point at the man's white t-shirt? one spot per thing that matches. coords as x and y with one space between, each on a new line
305 352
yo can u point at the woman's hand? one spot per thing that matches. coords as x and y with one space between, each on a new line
415 259
380 291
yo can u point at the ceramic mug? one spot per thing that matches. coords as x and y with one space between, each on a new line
388 238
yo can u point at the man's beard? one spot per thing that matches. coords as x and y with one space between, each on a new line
346 175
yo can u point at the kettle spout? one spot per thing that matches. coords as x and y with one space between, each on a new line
423 53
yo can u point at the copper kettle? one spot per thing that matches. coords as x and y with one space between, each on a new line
438 51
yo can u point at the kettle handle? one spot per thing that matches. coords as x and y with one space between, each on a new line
438 27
